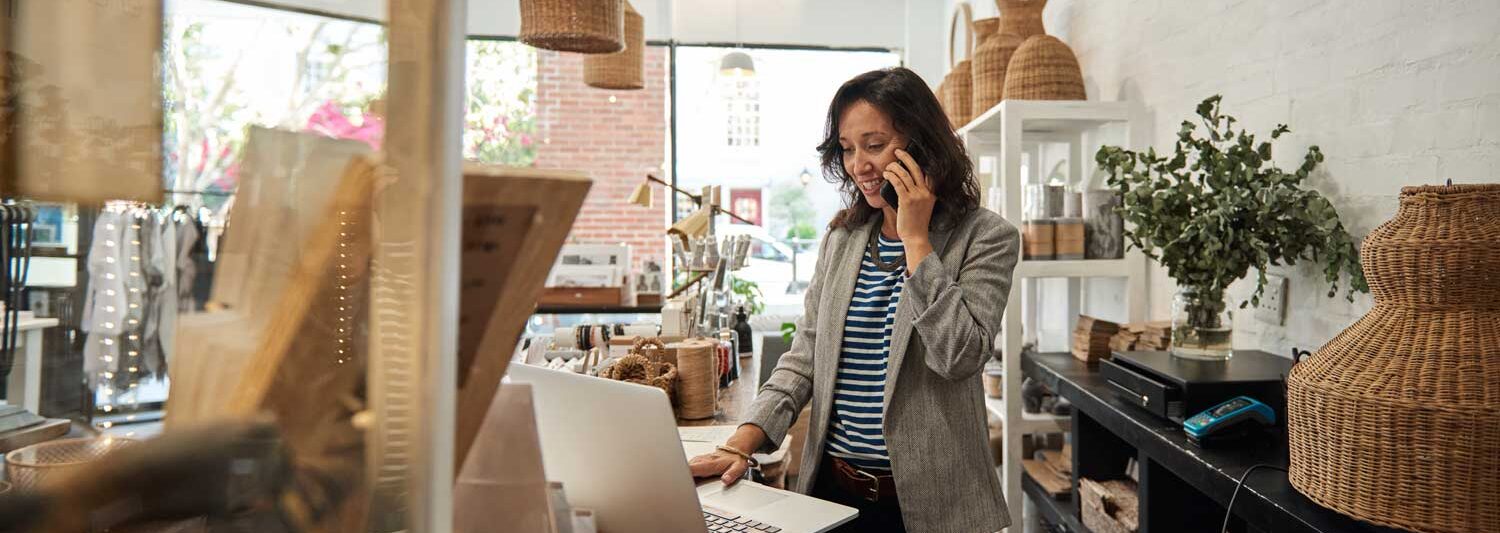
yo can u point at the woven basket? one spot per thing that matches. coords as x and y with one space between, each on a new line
625 69
981 67
584 26
1043 68
945 98
637 368
1021 18
35 466
1396 421
990 61
959 81
654 349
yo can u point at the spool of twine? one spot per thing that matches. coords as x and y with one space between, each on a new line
697 378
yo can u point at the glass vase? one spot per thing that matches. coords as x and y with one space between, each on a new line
1202 325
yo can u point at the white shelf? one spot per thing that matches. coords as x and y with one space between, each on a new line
1044 133
1047 116
1030 422
1083 268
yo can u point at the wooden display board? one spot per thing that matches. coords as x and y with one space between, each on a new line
305 362
526 211
286 180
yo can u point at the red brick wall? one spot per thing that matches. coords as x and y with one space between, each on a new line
616 143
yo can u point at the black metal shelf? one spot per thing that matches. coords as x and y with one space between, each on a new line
1061 512
1188 477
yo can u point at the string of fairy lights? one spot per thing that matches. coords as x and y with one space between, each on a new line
109 345
346 306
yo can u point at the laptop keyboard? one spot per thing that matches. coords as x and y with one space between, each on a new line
734 523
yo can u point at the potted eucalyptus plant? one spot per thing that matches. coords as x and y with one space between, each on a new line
1217 206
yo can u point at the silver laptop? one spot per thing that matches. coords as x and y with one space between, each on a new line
615 448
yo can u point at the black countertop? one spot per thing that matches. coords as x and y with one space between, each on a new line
1267 500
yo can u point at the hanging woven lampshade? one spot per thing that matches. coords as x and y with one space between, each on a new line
1396 421
625 69
1043 68
584 26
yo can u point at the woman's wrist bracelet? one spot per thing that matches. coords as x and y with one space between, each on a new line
736 451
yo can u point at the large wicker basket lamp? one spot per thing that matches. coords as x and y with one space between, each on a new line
625 69
1396 421
1044 68
1019 19
985 31
584 26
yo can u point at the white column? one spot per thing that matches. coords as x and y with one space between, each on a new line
414 290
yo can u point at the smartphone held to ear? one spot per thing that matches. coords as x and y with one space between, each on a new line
888 190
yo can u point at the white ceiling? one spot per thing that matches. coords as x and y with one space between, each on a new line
843 23
917 29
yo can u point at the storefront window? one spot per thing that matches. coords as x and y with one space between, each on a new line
230 66
754 135
500 118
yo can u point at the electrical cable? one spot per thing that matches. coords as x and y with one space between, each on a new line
1229 511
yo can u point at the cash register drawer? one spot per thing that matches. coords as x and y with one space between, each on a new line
1138 389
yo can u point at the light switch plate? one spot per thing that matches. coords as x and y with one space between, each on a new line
1272 307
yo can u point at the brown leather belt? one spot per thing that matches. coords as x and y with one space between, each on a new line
860 483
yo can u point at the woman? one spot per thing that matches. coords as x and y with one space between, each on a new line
898 322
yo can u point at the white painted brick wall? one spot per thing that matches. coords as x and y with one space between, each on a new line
1394 92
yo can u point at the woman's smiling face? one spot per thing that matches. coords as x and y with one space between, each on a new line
869 143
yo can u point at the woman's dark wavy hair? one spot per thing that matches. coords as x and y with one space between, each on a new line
915 113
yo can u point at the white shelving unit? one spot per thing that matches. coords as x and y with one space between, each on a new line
1000 139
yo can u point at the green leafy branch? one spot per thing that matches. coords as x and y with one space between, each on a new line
1218 206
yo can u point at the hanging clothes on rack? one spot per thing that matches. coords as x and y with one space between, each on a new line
189 242
109 302
136 270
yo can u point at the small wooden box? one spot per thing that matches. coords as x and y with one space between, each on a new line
1091 338
1068 242
1038 239
1109 506
581 296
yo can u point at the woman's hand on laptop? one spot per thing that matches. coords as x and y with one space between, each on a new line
728 465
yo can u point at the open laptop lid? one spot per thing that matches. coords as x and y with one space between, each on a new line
614 446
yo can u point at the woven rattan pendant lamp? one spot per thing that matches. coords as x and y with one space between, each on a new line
1396 421
625 69
584 26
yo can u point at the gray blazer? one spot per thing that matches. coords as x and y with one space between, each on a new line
946 322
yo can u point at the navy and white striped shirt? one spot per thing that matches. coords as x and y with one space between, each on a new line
855 431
